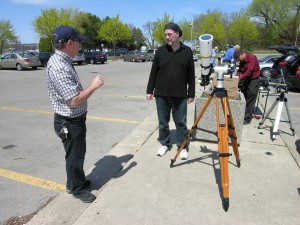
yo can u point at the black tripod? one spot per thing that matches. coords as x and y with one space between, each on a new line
280 100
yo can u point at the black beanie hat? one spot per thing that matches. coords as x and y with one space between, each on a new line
174 27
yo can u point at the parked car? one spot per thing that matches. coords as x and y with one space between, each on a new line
113 53
19 61
266 63
135 56
122 51
79 58
287 65
150 54
195 57
95 57
44 57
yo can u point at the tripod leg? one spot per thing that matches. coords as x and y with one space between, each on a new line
268 113
233 136
223 153
185 141
289 117
277 120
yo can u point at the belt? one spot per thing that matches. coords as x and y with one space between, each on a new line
72 119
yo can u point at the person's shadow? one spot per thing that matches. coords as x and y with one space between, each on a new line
297 143
107 168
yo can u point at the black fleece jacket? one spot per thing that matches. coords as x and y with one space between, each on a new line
172 73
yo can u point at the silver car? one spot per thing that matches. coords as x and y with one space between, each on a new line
19 61
134 56
79 58
150 54
266 63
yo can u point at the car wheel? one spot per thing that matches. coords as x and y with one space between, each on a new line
143 60
19 67
34 68
79 63
92 61
265 72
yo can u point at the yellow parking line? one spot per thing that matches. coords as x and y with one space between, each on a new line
114 120
27 110
38 182
89 117
124 96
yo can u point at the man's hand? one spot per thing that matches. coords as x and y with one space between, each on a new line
97 82
149 97
86 93
190 100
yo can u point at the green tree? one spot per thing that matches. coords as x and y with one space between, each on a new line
149 29
186 27
159 31
138 37
243 32
45 45
212 24
114 31
88 25
280 18
7 34
50 19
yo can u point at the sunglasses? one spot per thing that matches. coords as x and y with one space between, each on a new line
77 40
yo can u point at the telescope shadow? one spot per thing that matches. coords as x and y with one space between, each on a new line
107 168
214 155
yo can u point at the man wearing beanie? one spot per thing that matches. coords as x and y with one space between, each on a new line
172 83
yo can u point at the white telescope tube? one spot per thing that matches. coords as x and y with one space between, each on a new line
205 51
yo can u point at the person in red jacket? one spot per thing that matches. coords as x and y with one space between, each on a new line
249 73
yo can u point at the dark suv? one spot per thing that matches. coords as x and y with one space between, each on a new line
95 57
44 57
287 65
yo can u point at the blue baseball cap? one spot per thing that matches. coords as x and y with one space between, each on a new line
64 33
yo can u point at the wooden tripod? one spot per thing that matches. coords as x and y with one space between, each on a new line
224 130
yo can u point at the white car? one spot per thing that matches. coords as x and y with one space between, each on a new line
195 57
266 63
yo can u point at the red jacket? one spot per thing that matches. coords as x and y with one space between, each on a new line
249 68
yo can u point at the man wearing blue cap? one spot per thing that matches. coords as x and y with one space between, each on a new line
69 103
172 83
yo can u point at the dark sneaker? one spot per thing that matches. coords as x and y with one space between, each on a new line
246 122
86 197
86 185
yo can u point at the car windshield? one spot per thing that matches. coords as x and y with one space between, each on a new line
24 55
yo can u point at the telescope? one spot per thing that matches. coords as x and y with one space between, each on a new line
206 41
206 67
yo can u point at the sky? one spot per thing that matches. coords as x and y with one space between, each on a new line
22 13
